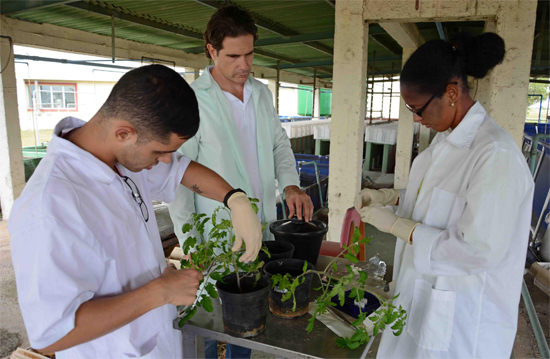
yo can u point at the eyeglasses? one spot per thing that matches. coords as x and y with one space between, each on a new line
136 195
419 112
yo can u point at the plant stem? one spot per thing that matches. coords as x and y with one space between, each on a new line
233 257
354 284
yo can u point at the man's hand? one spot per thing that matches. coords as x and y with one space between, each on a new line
386 221
246 225
385 196
298 201
179 287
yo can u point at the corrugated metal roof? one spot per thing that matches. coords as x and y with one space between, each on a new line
275 19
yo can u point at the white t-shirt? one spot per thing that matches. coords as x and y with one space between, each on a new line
77 234
245 120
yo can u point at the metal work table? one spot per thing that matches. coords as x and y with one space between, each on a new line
285 338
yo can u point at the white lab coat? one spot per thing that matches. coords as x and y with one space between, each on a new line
216 146
77 234
460 280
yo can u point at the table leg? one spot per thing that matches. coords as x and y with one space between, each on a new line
368 154
190 346
318 147
200 347
386 158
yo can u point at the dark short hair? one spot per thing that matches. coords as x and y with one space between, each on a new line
228 21
438 62
157 101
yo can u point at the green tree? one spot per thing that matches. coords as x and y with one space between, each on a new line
537 89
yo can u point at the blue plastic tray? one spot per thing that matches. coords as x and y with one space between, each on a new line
350 308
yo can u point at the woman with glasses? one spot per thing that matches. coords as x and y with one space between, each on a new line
463 220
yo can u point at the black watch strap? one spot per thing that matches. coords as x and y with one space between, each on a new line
229 194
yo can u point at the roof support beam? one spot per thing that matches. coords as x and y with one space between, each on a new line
429 11
278 40
19 6
406 35
270 25
171 28
59 38
330 63
167 27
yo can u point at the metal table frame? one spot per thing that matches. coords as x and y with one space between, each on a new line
284 338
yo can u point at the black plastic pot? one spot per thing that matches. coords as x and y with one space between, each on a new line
306 237
284 309
277 250
244 314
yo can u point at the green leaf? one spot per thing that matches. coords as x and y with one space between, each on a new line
357 322
286 296
342 297
254 207
211 290
334 267
350 257
189 243
207 304
253 200
363 276
353 345
186 227
187 316
185 264
341 342
376 329
311 323
216 276
304 269
398 333
366 240
397 325
356 235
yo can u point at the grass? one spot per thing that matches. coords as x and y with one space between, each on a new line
28 137
533 115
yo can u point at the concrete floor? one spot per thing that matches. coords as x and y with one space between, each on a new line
12 330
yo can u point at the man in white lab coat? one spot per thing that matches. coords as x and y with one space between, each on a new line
92 280
240 135
463 220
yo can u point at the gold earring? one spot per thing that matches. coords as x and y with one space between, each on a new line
452 104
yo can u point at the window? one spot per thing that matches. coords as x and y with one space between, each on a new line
53 96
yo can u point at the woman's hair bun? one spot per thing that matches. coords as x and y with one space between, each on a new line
478 54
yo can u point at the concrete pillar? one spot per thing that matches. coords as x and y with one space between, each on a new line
272 86
405 134
480 89
506 88
424 140
191 74
348 111
12 174
317 102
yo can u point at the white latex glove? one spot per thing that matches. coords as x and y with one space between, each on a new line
385 196
246 225
386 221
